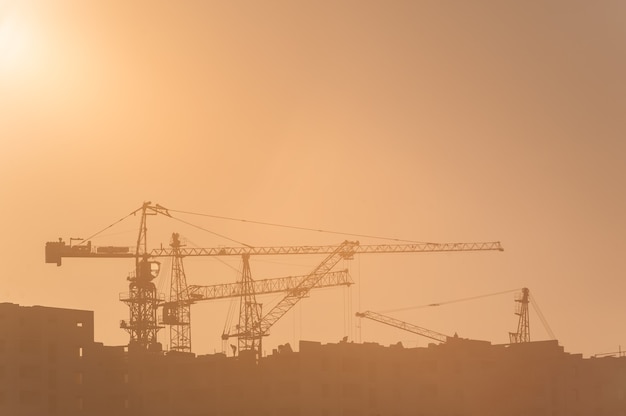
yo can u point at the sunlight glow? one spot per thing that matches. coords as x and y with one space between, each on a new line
14 41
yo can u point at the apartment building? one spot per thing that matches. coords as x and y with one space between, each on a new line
50 365
41 366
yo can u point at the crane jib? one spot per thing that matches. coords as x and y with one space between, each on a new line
363 249
56 250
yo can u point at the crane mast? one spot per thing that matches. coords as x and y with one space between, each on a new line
396 323
259 327
177 311
249 311
523 325
142 297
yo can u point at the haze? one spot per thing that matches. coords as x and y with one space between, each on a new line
427 121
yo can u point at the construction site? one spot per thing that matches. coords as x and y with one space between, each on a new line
51 364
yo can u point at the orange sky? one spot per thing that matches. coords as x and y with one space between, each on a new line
429 121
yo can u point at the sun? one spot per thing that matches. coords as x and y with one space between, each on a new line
13 40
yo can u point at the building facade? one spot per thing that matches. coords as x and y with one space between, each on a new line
41 367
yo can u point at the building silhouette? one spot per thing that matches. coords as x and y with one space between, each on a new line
50 365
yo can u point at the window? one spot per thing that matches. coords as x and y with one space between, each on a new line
350 365
373 398
430 390
52 353
372 370
52 379
29 397
30 371
351 390
52 404
29 346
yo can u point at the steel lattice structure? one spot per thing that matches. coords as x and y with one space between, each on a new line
55 251
523 325
249 311
143 300
396 323
177 311
261 327
266 286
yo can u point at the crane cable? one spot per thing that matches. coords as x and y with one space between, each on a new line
238 271
541 317
228 324
210 232
293 227
165 276
171 216
109 226
447 302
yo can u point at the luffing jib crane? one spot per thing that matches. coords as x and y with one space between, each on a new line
396 323
177 311
254 327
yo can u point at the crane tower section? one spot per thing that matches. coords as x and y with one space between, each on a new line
177 311
523 325
142 297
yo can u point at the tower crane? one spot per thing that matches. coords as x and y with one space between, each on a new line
247 289
255 327
523 325
143 299
396 323
177 311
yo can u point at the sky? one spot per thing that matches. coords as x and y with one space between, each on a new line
439 121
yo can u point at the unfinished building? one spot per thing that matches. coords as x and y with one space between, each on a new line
50 365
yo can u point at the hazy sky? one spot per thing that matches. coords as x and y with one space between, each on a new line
423 120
